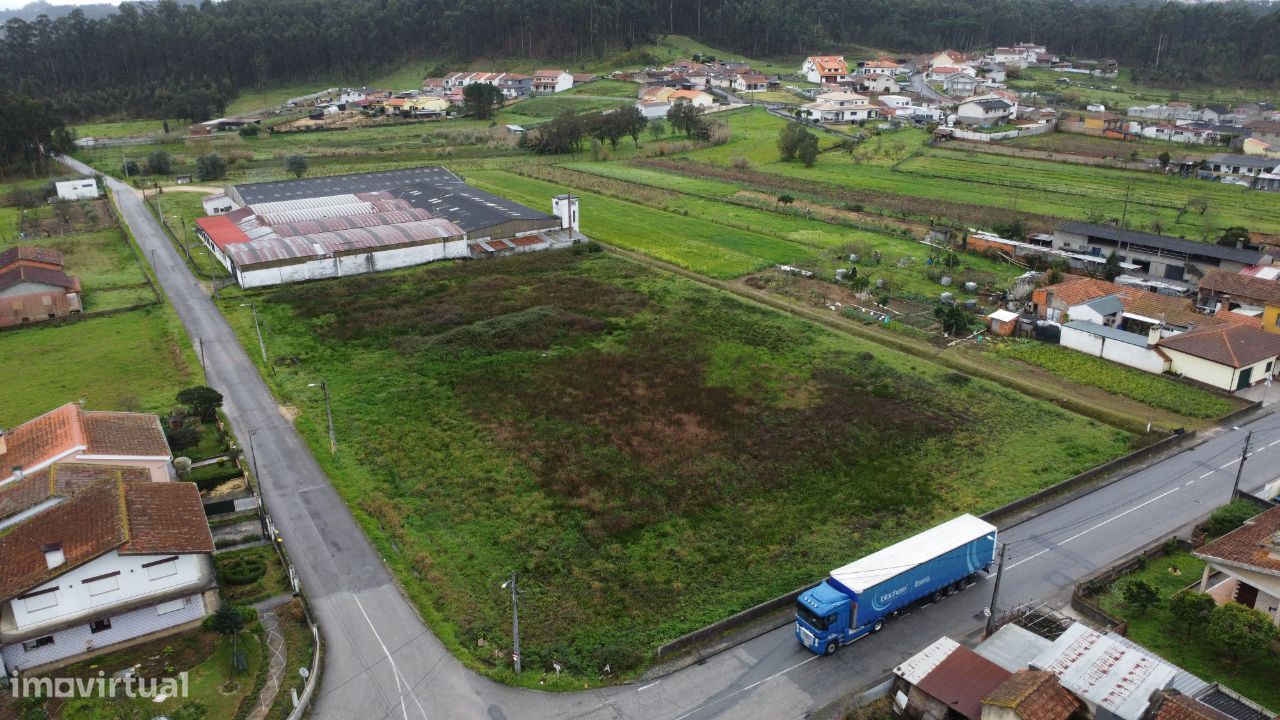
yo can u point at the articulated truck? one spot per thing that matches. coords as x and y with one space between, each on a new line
857 599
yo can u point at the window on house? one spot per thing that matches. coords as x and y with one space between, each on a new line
162 568
40 600
103 583
39 642
99 625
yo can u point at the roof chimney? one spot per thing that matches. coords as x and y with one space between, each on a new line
1153 334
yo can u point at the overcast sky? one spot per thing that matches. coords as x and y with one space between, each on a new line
15 4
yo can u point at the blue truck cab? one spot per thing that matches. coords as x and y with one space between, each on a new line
857 598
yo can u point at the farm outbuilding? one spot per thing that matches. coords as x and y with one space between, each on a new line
295 230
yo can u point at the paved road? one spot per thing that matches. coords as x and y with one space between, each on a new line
381 663
919 85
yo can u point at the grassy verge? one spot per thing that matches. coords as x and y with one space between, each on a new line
630 440
299 649
1154 390
1157 631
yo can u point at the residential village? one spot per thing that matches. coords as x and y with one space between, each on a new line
122 532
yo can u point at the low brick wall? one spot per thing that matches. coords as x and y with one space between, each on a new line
1088 476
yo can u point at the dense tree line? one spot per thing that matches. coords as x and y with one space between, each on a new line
169 59
30 134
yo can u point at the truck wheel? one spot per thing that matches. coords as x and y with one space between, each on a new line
832 647
936 596
878 626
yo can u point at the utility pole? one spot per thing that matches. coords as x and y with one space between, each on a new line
262 345
203 369
995 592
515 620
328 412
1244 455
253 457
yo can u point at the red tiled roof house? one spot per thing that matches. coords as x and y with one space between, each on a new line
71 434
1250 556
98 558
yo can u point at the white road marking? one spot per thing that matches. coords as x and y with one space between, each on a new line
1029 557
646 687
752 685
394 670
1273 442
1095 527
1233 462
1207 474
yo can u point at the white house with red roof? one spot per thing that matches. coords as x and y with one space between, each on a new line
98 558
825 69
72 434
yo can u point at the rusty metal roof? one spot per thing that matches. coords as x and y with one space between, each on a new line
962 679
308 227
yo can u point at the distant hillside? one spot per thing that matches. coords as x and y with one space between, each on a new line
162 60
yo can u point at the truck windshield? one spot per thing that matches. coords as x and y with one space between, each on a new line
819 622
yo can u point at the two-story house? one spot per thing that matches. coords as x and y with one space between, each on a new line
72 434
99 562
984 111
960 85
825 69
552 81
515 86
840 107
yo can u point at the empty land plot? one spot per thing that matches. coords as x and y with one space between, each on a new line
706 247
1091 146
1153 197
903 260
650 454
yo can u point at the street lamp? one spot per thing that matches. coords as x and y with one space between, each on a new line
261 345
515 619
328 411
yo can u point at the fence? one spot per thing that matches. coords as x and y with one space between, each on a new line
1003 135
303 702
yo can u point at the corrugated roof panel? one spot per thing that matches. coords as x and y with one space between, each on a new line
221 230
303 203
380 236
316 213
274 249
347 222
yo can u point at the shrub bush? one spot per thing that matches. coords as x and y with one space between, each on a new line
242 570
1229 517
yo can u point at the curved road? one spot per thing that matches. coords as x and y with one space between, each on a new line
381 663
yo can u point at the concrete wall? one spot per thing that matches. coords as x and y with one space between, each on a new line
159 468
1211 373
1142 358
345 265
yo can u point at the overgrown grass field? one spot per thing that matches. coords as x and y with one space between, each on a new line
650 454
